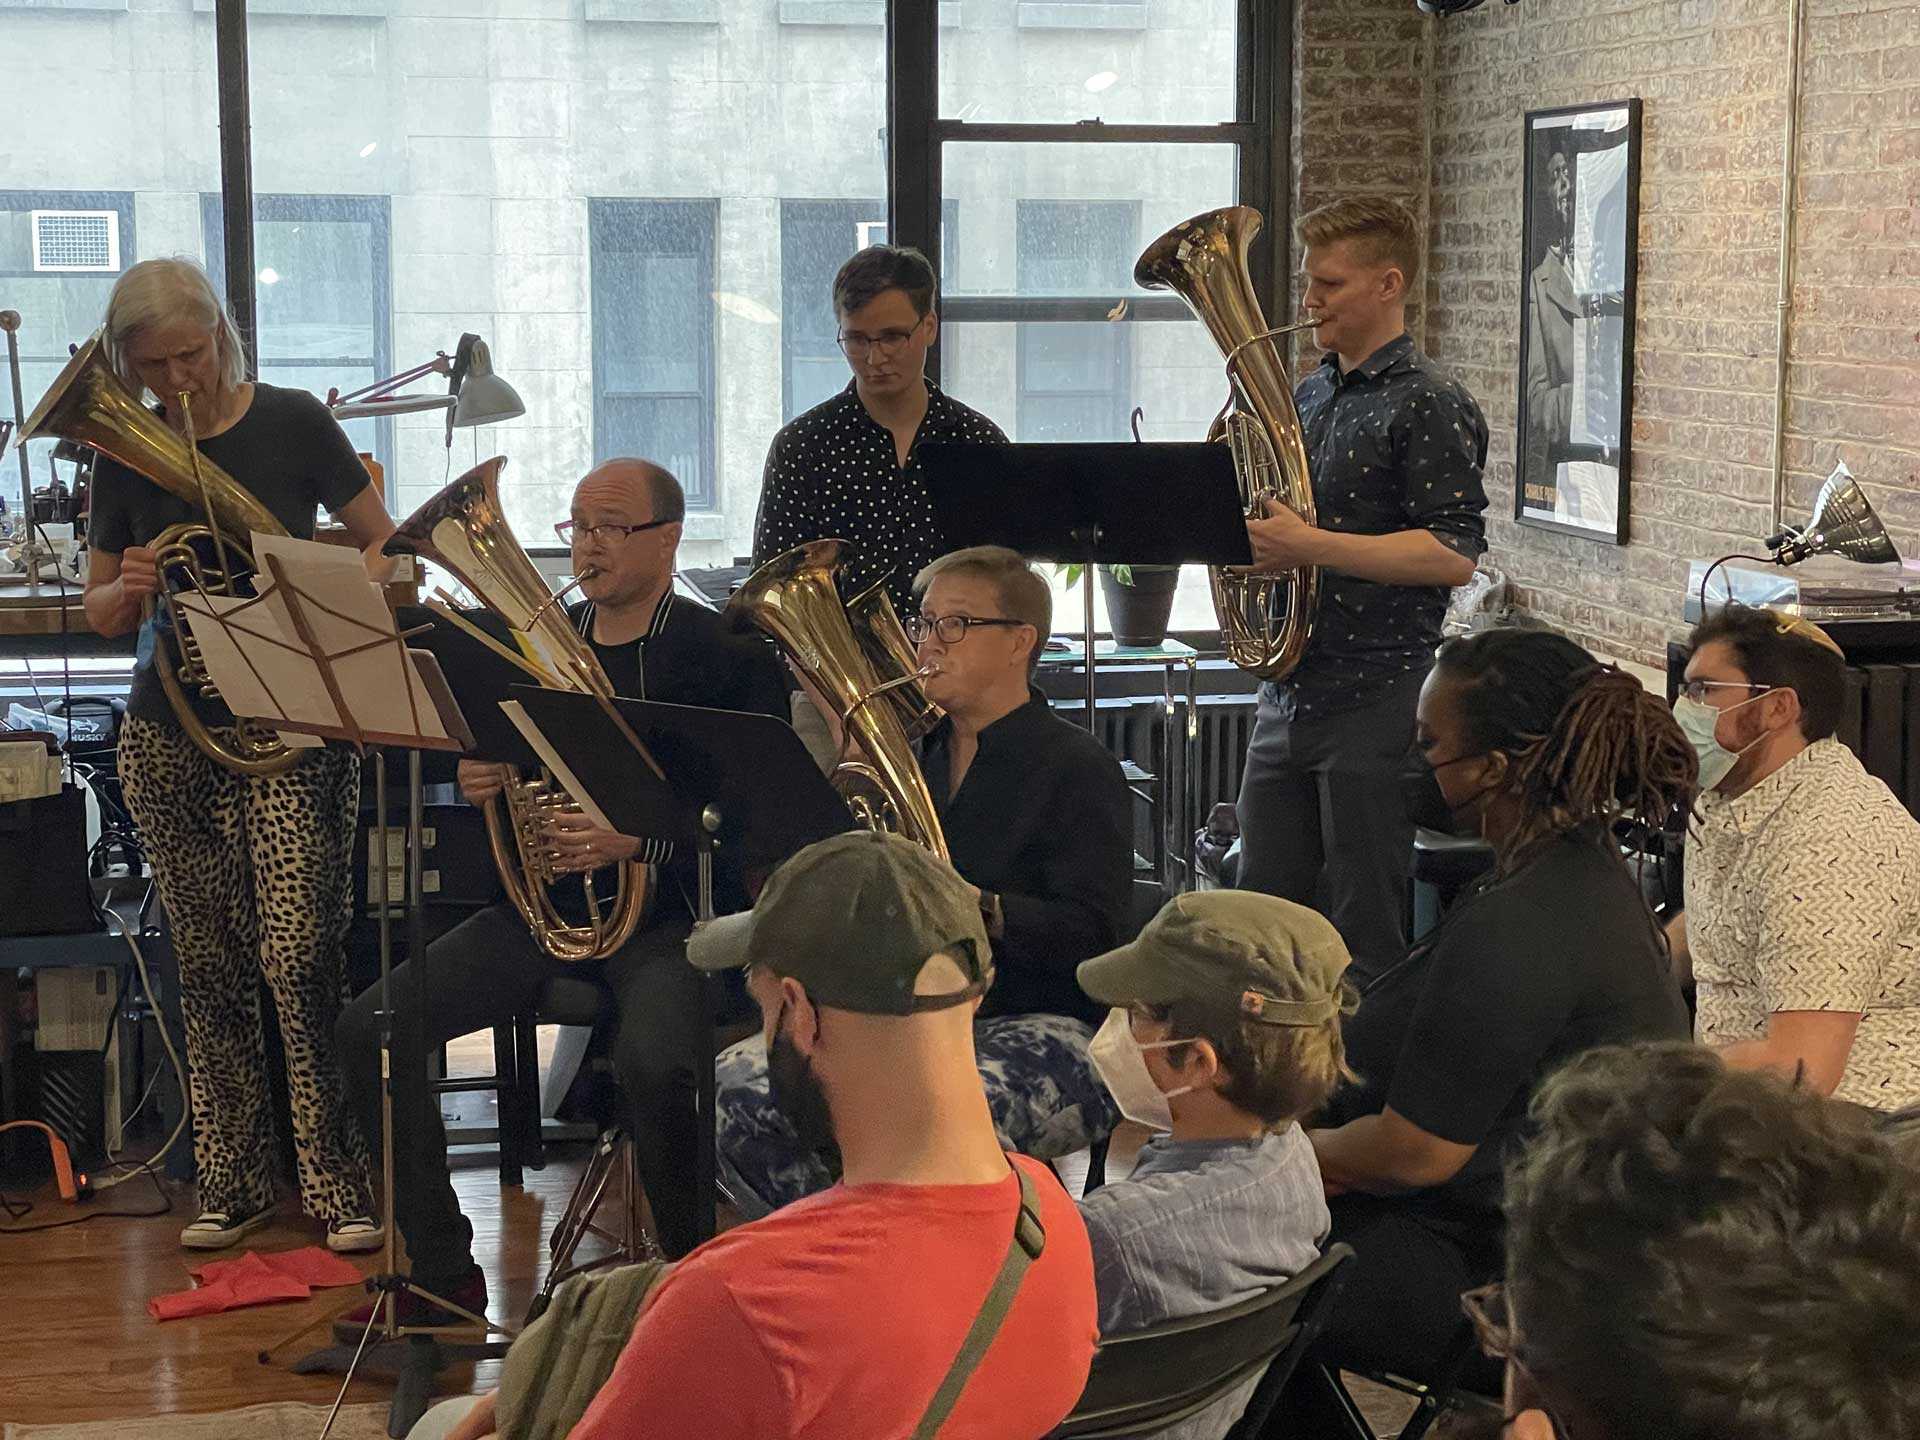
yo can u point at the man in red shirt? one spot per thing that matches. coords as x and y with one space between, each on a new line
842 1314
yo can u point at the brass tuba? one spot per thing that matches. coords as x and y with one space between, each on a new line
1265 620
89 405
463 530
858 657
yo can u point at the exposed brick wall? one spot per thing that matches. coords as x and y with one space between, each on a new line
1713 77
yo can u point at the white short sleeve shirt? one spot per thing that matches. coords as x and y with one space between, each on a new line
1804 894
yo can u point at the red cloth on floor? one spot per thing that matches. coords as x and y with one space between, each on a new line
256 1279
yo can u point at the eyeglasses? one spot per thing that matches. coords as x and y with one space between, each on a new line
887 342
1696 690
951 629
1491 1316
567 529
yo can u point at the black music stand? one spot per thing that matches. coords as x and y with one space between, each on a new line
1089 505
734 782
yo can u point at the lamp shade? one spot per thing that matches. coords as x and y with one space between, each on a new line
483 397
1843 523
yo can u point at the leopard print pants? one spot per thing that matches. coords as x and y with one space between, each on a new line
256 878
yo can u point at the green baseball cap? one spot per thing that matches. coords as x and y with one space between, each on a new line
1257 956
855 919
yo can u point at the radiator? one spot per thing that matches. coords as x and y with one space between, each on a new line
1131 730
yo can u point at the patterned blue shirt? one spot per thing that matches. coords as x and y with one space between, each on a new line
1394 444
1201 1225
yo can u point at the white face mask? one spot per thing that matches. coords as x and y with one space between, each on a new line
1122 1066
1699 721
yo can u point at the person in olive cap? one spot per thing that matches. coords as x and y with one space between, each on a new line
1224 1032
842 1313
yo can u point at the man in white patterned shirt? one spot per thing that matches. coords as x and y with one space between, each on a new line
1802 921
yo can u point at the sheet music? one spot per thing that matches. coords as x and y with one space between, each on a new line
517 713
275 679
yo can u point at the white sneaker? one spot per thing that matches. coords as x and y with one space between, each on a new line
350 1237
216 1229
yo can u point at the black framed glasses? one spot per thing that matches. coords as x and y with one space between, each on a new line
887 342
1491 1316
1697 690
608 533
951 629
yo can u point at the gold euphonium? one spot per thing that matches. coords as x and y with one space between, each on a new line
89 405
861 663
1265 620
464 530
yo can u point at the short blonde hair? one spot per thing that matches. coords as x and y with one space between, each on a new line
1384 229
169 292
1022 594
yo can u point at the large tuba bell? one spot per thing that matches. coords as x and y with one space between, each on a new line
1265 620
464 530
858 658
89 405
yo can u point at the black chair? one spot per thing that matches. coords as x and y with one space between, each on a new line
1163 1375
1433 1397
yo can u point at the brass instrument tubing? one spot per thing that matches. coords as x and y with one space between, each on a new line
227 571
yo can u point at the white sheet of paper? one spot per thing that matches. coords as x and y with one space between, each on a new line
277 680
534 736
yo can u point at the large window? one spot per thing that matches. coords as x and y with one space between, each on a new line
60 252
1076 379
816 238
653 305
324 319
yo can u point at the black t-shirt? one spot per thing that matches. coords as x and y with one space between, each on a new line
1523 974
287 451
1044 819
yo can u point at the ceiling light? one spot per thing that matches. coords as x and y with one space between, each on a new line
269 276
1105 80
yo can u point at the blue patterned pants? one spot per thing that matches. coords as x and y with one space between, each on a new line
1047 1101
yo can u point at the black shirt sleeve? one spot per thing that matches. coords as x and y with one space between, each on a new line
1442 437
337 473
1496 1001
109 517
1079 905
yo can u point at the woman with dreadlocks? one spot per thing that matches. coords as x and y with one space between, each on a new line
1524 740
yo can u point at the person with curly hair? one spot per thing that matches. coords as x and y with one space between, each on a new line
1696 1252
1523 739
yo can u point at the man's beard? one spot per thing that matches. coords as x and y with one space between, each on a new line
798 1096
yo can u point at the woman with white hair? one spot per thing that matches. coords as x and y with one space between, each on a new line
254 870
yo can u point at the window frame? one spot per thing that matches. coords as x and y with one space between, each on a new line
21 202
376 211
1121 336
704 495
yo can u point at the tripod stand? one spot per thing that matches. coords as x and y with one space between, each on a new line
423 1355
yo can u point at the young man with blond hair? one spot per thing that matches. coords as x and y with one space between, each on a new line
1396 447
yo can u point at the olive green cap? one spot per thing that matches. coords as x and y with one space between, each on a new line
1263 958
855 919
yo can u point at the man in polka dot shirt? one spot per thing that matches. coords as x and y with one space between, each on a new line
1397 447
847 469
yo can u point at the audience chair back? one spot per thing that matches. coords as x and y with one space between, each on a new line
1158 1377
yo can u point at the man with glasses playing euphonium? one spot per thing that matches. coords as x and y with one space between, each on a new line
1037 819
625 530
847 468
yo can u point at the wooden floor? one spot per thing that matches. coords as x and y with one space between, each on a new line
76 1342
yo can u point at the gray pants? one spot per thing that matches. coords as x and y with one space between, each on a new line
1322 822
1047 1101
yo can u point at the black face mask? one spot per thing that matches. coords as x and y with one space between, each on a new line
1426 803
796 1092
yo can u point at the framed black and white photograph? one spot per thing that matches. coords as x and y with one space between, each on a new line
1580 251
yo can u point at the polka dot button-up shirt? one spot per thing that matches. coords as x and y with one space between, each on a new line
1394 444
832 474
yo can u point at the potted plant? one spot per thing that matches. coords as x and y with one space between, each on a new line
1139 601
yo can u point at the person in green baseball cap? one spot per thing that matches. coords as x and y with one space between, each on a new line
1223 1033
868 955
